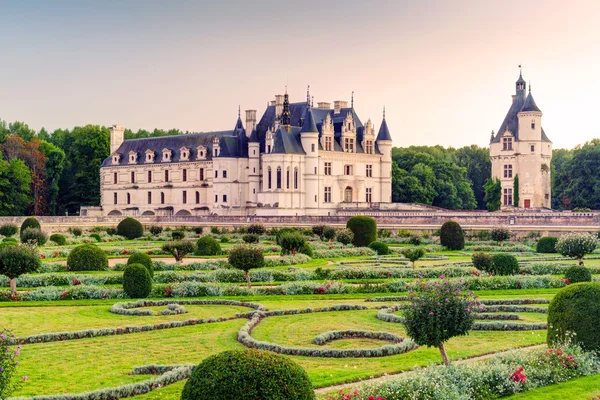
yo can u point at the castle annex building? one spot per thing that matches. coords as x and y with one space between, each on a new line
521 148
297 160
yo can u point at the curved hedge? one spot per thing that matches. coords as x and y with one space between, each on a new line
144 259
547 244
137 282
452 236
207 246
575 309
364 229
130 228
30 222
381 248
248 375
87 257
578 273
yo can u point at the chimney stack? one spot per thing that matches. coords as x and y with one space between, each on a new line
324 105
338 105
278 105
250 121
117 136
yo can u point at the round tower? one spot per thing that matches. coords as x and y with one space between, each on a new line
384 144
309 136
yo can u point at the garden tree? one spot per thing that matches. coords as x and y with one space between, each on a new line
207 246
291 243
438 312
178 249
493 194
364 229
476 160
452 236
413 254
130 228
576 245
500 233
246 258
516 191
17 260
55 159
15 187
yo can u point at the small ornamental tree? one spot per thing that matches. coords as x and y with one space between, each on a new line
291 243
439 312
8 230
178 249
130 228
246 258
500 233
452 236
8 365
576 245
413 254
364 229
16 261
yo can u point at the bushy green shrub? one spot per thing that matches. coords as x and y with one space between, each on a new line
307 250
137 283
111 231
484 235
318 230
384 233
291 243
76 231
8 230
156 230
248 375
577 245
381 248
575 310
178 235
143 259
214 230
58 239
246 258
130 228
578 273
414 240
504 264
500 233
87 257
207 246
250 238
30 222
225 239
34 235
364 229
283 231
256 229
9 240
546 244
198 230
483 261
96 237
452 236
178 248
18 260
329 233
344 236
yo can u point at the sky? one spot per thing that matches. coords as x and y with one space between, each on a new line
444 70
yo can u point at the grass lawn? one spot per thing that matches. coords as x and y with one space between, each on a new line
585 388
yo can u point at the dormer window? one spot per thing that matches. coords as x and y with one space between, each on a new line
185 153
328 143
116 158
369 147
149 156
166 155
349 145
200 153
132 157
507 143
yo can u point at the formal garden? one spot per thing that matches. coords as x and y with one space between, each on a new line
362 313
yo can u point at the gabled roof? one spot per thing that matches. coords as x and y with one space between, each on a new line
384 132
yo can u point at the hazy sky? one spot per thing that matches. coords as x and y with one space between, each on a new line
445 70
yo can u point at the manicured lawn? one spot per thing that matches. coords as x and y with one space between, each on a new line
585 388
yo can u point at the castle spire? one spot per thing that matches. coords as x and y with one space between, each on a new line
285 114
308 96
352 100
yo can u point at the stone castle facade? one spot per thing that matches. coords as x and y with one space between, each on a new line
521 148
297 160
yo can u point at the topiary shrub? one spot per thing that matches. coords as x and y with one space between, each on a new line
8 230
111 231
250 238
87 257
34 235
156 230
18 260
504 264
256 229
178 235
500 233
483 261
30 222
364 229
578 273
207 246
307 250
328 233
452 236
76 231
577 245
575 310
413 254
546 244
178 249
291 243
344 236
246 258
59 239
96 237
248 375
144 259
130 228
137 282
381 248
414 240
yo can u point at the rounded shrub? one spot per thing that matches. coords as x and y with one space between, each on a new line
34 235
505 264
575 310
30 222
144 259
130 228
291 243
547 244
364 229
207 246
59 239
250 238
198 230
257 229
96 237
500 233
578 273
225 239
8 230
381 248
155 230
87 257
483 261
137 282
111 231
307 250
344 236
452 236
414 240
248 375
328 233
178 235
76 232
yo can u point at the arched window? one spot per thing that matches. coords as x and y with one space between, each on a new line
287 178
128 198
278 177
296 178
269 177
348 194
197 197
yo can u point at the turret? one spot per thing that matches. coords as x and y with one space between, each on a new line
117 136
530 120
253 166
384 144
309 136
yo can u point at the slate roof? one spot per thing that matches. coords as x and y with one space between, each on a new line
530 104
287 142
308 125
384 132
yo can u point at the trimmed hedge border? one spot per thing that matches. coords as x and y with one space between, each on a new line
330 336
130 308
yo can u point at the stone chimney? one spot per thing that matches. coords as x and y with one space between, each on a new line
117 136
250 121
338 105
278 105
324 106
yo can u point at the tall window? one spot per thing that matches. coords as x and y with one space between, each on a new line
115 179
184 197
197 197
185 175
224 198
347 169
166 175
533 124
327 194
369 195
327 169
508 197
328 143
532 148
115 197
507 143
508 172
149 176
201 174
349 145
296 178
269 177
132 177
369 147
149 197
224 174
369 171
287 178
278 177
216 173
216 198
162 198
128 198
